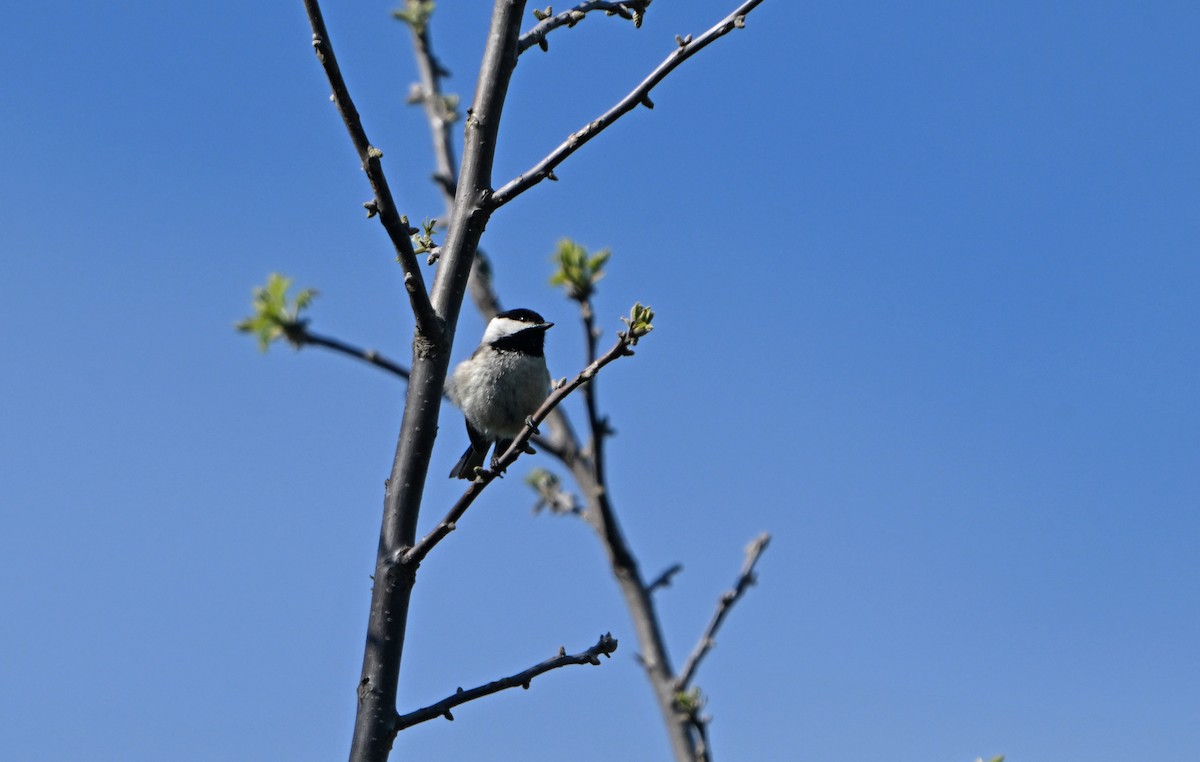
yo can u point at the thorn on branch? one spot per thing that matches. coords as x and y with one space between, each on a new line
647 102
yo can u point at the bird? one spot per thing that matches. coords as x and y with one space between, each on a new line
500 385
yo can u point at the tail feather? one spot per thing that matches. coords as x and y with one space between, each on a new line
466 465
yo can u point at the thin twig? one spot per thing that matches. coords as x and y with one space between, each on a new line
306 337
708 639
604 647
664 579
414 555
384 205
437 113
597 425
639 95
702 746
631 11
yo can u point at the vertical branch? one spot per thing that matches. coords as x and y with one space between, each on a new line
436 112
597 425
375 728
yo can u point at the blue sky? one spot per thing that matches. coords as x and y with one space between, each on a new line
926 281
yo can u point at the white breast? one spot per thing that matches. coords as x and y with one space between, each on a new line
497 392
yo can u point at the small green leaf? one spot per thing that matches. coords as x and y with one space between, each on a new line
423 239
415 13
274 316
577 271
690 702
639 322
304 298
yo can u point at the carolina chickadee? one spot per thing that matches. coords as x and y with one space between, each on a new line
500 385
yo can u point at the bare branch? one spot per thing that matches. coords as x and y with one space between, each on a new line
598 426
439 114
664 579
414 555
604 647
479 286
640 95
708 639
702 746
633 10
653 655
414 282
305 337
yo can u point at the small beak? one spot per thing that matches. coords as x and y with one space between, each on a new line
545 326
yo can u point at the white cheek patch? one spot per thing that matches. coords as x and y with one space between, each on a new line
499 327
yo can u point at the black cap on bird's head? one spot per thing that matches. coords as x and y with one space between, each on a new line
519 330
522 315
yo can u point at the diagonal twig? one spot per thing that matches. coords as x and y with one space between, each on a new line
384 205
415 554
303 337
708 639
664 579
631 10
640 95
604 647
